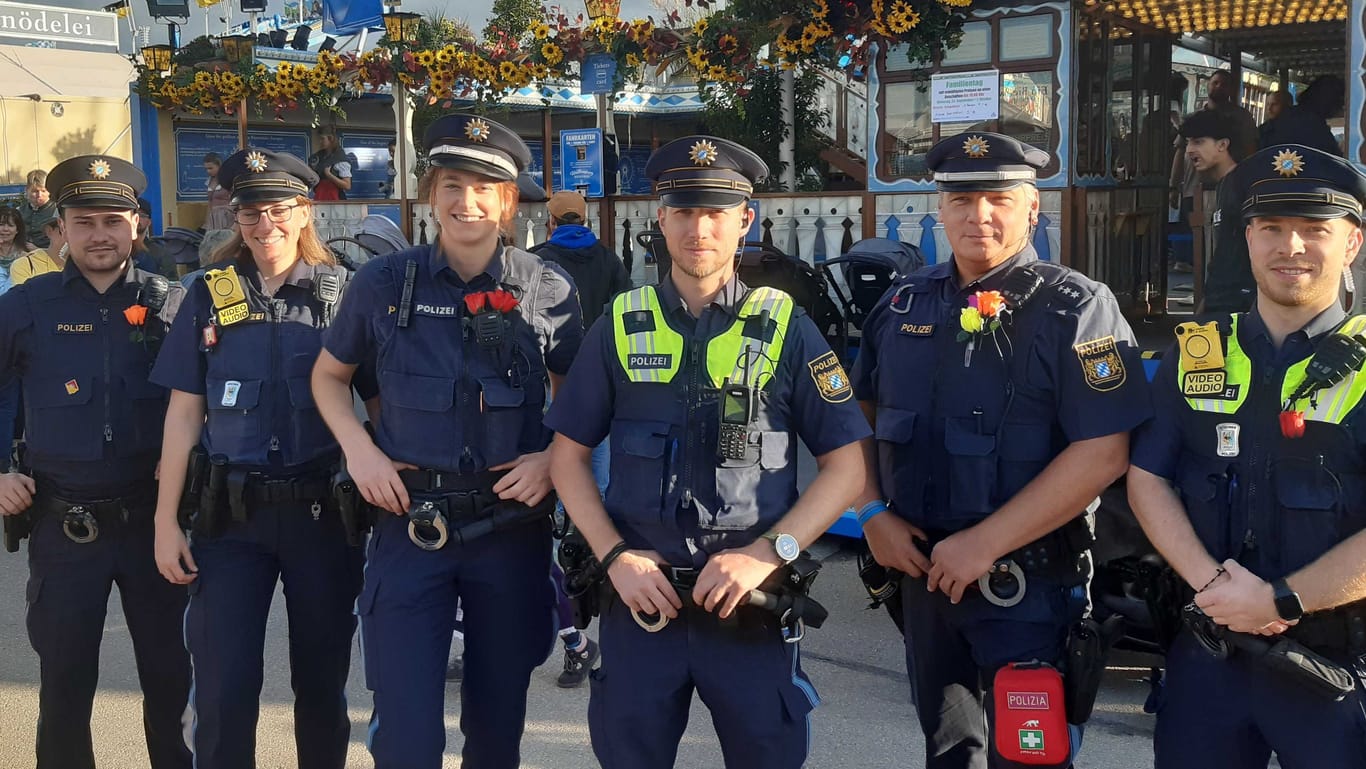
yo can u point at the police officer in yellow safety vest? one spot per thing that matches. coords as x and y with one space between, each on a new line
1251 481
703 384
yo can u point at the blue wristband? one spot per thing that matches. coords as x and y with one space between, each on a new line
871 509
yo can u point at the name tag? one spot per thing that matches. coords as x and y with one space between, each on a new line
437 311
648 361
75 328
917 329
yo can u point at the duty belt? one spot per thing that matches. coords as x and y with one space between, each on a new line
463 507
1342 629
82 520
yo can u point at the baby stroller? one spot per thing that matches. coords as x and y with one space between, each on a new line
182 245
377 236
869 268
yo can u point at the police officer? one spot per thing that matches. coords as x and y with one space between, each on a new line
1001 389
702 384
82 342
1251 481
237 362
465 333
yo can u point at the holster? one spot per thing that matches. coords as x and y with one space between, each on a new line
583 577
213 517
883 586
196 476
1088 642
17 529
357 516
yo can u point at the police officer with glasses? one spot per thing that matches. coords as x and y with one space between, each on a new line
1002 389
1251 481
81 342
467 334
247 452
703 385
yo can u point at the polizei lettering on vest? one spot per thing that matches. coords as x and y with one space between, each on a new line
648 360
428 309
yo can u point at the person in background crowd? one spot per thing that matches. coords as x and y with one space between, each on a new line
37 207
598 273
333 167
147 251
1225 94
1229 286
1306 123
220 215
13 248
1277 102
237 363
391 171
50 259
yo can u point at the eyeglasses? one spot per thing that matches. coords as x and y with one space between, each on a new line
248 217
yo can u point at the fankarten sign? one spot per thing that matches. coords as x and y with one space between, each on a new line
41 22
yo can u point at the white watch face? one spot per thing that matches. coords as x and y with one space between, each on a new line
787 546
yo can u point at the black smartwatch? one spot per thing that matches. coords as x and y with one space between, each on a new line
1288 604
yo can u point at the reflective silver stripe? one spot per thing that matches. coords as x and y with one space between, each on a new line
491 158
983 176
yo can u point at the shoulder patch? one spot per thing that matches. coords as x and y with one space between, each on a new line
831 381
1101 363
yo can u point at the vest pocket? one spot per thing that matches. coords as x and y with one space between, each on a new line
235 423
900 476
415 407
1025 450
503 416
740 484
972 466
1204 488
1308 493
148 413
62 423
639 470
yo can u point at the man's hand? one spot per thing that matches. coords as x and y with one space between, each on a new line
891 540
174 560
376 475
16 493
528 478
958 562
726 580
1242 602
642 586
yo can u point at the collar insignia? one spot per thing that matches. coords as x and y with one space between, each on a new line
477 130
1288 163
703 153
100 169
976 147
256 162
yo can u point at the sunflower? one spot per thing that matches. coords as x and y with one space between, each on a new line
425 58
632 60
507 70
822 10
540 30
700 26
727 42
642 29
552 54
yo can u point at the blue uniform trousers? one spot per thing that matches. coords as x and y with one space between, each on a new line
1233 714
953 653
225 631
68 594
752 682
407 612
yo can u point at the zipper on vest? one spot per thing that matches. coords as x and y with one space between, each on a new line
694 356
274 328
108 424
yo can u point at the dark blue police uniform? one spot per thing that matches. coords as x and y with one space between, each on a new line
266 511
93 439
461 390
1271 502
669 493
960 432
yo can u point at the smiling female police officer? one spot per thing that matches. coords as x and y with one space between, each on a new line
81 342
237 361
464 333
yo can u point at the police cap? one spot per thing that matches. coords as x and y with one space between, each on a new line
704 172
981 161
256 175
478 145
1294 180
96 181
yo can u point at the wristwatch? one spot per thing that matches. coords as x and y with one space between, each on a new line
785 545
1288 604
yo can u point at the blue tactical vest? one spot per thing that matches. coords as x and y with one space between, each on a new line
448 403
258 397
955 442
1280 503
664 430
86 393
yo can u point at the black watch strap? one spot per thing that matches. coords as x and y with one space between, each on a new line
1288 605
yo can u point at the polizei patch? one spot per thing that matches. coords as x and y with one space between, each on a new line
648 360
1101 364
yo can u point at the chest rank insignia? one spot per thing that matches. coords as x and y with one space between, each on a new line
1202 359
229 300
1101 364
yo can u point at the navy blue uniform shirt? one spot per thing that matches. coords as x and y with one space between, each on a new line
447 403
958 435
255 378
584 410
93 419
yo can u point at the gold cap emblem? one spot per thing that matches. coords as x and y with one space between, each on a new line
100 169
477 130
703 153
256 162
976 147
1288 163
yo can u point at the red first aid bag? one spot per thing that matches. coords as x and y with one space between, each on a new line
1031 717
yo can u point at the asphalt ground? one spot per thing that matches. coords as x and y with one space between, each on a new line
856 662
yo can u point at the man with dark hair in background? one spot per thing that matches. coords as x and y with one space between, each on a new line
1229 286
1306 123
